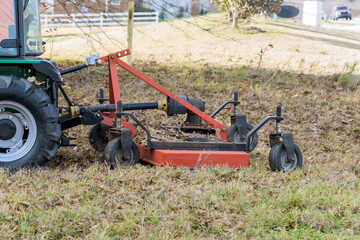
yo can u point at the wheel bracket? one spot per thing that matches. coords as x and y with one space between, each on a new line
126 140
289 146
274 139
241 126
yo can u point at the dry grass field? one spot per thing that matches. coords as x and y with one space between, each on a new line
313 73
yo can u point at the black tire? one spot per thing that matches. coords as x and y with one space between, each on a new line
98 136
233 136
113 154
41 136
278 156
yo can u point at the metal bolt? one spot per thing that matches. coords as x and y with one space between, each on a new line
112 57
10 116
223 129
13 140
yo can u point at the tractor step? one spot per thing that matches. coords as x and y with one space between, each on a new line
65 142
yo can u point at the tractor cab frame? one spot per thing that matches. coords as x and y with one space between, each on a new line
21 43
20 34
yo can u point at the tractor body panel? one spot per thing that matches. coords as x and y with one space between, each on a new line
25 67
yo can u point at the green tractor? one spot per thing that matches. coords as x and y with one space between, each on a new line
30 126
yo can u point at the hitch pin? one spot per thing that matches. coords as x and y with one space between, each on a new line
118 119
236 98
278 122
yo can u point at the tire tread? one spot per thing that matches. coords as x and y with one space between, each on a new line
22 91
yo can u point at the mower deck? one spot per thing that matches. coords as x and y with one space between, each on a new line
194 158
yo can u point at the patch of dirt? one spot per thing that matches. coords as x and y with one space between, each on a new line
186 41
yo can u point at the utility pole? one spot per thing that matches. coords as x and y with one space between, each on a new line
130 29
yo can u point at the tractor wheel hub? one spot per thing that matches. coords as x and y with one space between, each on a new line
8 129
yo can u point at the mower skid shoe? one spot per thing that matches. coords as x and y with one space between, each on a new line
126 140
289 146
240 121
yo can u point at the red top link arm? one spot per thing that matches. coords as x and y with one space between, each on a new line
206 118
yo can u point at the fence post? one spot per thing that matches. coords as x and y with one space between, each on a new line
130 29
73 19
46 20
101 19
157 17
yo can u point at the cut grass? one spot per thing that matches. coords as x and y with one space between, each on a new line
158 203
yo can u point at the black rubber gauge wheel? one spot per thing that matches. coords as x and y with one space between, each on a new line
30 132
234 136
98 136
278 158
114 156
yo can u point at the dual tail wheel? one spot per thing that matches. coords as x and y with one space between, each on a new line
98 136
114 154
278 159
233 135
113 151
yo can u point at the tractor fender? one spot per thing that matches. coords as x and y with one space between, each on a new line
48 68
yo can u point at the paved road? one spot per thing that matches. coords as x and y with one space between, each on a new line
342 24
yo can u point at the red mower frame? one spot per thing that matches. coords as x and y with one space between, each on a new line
232 152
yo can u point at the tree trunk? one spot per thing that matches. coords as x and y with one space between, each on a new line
235 20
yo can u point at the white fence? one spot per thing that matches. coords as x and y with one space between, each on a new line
96 19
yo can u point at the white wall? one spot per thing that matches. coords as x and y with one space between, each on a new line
175 8
312 13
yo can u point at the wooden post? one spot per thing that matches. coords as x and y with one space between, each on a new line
73 20
130 29
107 3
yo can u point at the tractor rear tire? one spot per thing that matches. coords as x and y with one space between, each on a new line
30 132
